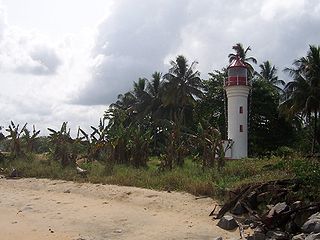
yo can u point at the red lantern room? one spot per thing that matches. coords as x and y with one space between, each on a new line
237 73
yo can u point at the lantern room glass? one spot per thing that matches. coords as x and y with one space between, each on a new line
237 72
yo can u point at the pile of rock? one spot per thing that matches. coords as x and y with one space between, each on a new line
259 209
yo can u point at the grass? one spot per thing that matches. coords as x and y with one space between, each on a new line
190 178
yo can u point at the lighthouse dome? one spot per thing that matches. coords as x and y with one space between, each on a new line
237 73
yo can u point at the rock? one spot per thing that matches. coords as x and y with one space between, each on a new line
67 191
217 238
276 210
313 236
315 216
257 236
312 225
301 217
248 221
238 209
227 222
300 236
296 204
270 206
291 227
263 197
81 171
259 230
281 207
252 199
276 235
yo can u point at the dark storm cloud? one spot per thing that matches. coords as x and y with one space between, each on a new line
132 43
140 35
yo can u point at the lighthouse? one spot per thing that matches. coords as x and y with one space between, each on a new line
237 88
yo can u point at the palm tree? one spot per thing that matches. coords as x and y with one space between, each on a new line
269 74
154 86
182 87
303 93
241 53
142 98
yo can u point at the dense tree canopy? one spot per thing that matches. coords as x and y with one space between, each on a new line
303 92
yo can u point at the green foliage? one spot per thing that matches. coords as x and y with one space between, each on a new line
285 152
307 170
138 120
267 129
14 137
174 149
95 143
241 53
30 138
138 146
2 137
302 93
62 145
208 141
41 145
212 107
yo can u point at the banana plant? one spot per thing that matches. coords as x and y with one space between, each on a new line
138 145
61 142
30 138
210 148
15 139
175 147
96 143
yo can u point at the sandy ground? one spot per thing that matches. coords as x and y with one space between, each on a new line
40 209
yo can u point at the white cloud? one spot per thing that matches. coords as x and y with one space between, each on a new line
39 76
27 53
272 9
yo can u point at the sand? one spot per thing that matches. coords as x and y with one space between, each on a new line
41 209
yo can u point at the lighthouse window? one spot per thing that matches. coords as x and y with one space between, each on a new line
241 128
241 109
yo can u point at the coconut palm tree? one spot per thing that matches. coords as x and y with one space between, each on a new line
303 93
241 53
182 86
269 74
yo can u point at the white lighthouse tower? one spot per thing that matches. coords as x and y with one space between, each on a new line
237 88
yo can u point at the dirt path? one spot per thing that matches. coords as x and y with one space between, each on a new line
40 209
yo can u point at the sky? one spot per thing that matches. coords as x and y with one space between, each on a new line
67 60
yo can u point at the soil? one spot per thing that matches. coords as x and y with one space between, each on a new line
42 209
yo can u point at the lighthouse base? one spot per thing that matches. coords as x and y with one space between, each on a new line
229 151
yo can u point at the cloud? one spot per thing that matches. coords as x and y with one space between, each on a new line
26 52
3 22
42 60
140 37
131 43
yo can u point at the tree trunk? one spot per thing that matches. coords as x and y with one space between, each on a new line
314 131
